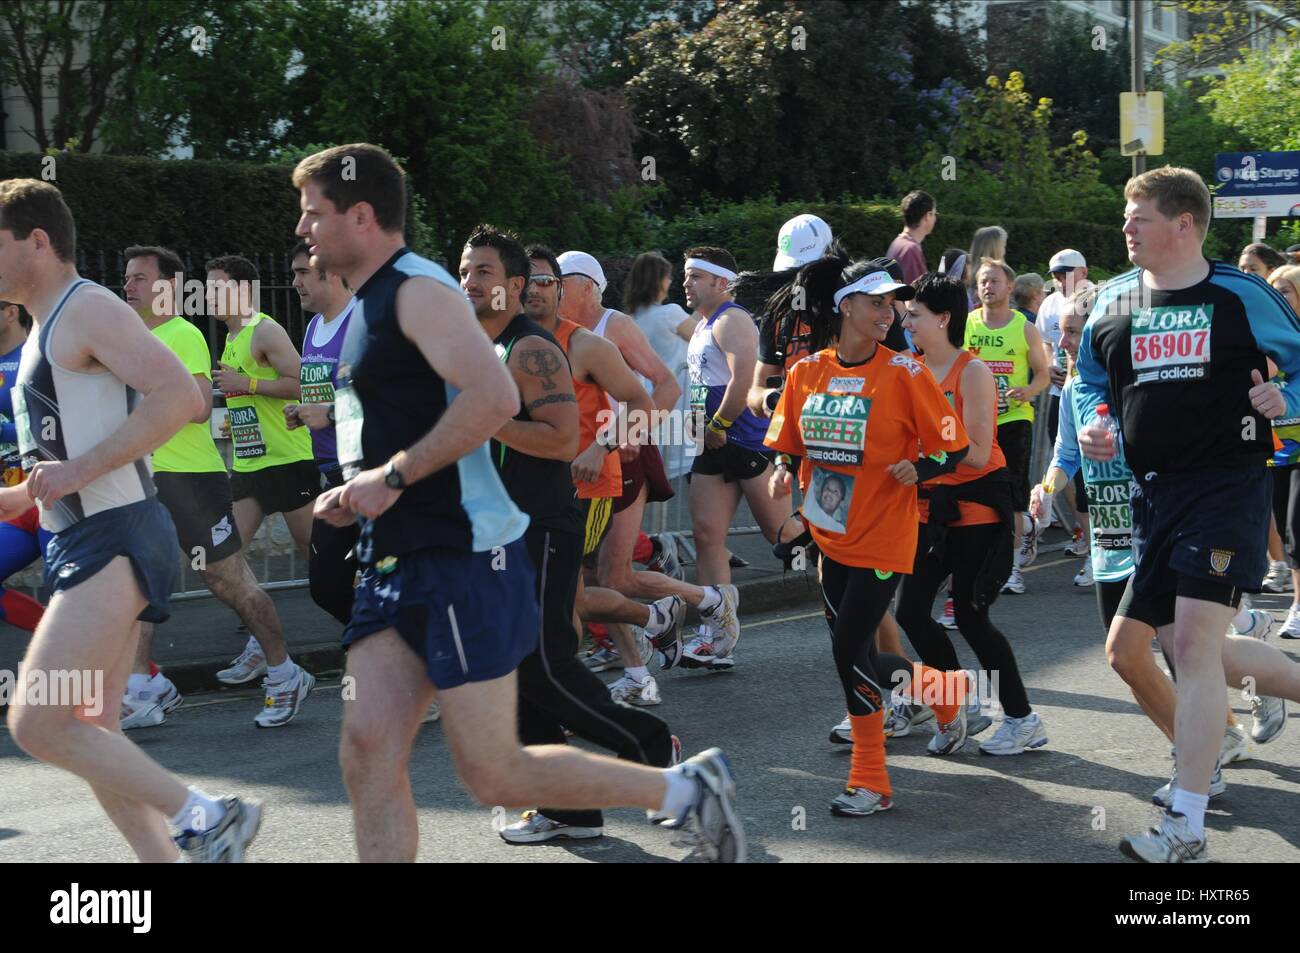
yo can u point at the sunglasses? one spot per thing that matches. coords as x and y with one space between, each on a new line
544 280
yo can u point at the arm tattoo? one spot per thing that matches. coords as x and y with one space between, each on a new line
540 363
551 399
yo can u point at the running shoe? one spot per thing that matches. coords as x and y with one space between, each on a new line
1083 578
859 802
904 716
1016 735
631 692
1261 625
250 665
283 700
1079 545
699 652
949 736
842 734
671 610
1164 795
534 828
1029 545
976 720
664 557
227 842
736 562
1171 843
602 658
1235 746
433 714
948 620
169 697
1268 718
725 621
1291 627
1278 578
1015 583
140 711
718 835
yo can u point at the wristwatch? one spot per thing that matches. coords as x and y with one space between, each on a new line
393 477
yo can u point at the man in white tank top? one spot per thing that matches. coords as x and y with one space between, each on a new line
96 393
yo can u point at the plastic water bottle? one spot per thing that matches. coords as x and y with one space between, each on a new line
1044 521
1104 419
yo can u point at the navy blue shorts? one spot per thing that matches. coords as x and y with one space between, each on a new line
143 532
471 617
1202 534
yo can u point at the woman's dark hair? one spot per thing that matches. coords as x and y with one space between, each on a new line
941 293
1270 256
772 295
816 284
949 258
644 281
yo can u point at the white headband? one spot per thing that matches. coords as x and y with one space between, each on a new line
872 283
699 264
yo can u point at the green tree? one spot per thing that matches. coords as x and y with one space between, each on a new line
1224 28
1259 95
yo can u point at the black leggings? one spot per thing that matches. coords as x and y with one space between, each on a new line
963 556
1286 510
331 570
856 600
1109 595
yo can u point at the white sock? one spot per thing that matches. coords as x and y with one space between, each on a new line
1243 621
638 672
680 793
657 624
201 812
275 674
137 684
1192 806
712 599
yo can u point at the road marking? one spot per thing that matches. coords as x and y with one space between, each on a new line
789 618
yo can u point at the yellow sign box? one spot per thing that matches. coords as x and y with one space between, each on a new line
1142 124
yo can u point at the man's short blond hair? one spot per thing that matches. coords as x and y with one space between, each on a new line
998 263
1174 191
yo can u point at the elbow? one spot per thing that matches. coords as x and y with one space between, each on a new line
977 457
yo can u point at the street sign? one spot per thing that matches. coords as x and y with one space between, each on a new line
1142 124
1253 184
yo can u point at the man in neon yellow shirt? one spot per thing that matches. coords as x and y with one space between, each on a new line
1012 348
192 483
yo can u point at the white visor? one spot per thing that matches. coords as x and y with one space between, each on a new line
873 283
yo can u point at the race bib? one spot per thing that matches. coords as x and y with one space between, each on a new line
699 395
22 424
834 428
348 419
317 384
246 432
1110 517
1002 371
1171 344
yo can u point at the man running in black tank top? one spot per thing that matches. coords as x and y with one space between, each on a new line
446 606
96 393
532 454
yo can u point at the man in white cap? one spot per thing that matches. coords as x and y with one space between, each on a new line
1070 271
919 218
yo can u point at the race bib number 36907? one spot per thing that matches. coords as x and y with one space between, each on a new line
1171 343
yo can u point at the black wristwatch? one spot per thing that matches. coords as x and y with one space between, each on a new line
393 477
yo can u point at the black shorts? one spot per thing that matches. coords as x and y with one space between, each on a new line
201 507
143 532
596 515
1286 509
732 463
1016 440
1109 596
646 470
1200 535
1053 417
470 617
282 489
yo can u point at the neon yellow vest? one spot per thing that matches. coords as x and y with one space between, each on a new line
262 438
1006 352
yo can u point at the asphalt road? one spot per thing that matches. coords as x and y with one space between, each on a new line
1070 801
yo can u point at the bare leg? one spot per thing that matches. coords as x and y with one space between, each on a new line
233 583
299 523
1128 649
143 650
248 518
713 503
1198 660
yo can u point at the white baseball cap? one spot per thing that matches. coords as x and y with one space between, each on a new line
580 263
802 239
1066 258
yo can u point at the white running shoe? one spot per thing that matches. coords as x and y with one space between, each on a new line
859 802
1083 578
1029 545
669 611
250 665
1079 546
1268 718
433 714
948 620
645 649
283 700
141 711
725 621
904 716
976 720
602 658
1235 746
1261 627
227 842
1278 578
169 696
664 557
631 692
1164 795
700 653
1015 583
1291 627
1171 843
1016 735
534 828
842 734
950 736
717 832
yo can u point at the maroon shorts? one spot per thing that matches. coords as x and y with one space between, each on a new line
646 470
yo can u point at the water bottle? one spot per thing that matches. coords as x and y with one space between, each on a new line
1104 419
1044 521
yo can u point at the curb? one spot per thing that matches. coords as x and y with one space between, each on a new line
193 676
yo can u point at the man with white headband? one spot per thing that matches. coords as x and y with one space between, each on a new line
721 357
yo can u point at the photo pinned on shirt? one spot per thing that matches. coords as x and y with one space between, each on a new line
828 500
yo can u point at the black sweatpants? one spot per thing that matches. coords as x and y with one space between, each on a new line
331 569
963 555
1286 510
856 600
556 691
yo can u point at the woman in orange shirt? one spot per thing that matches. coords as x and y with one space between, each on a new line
965 526
854 414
